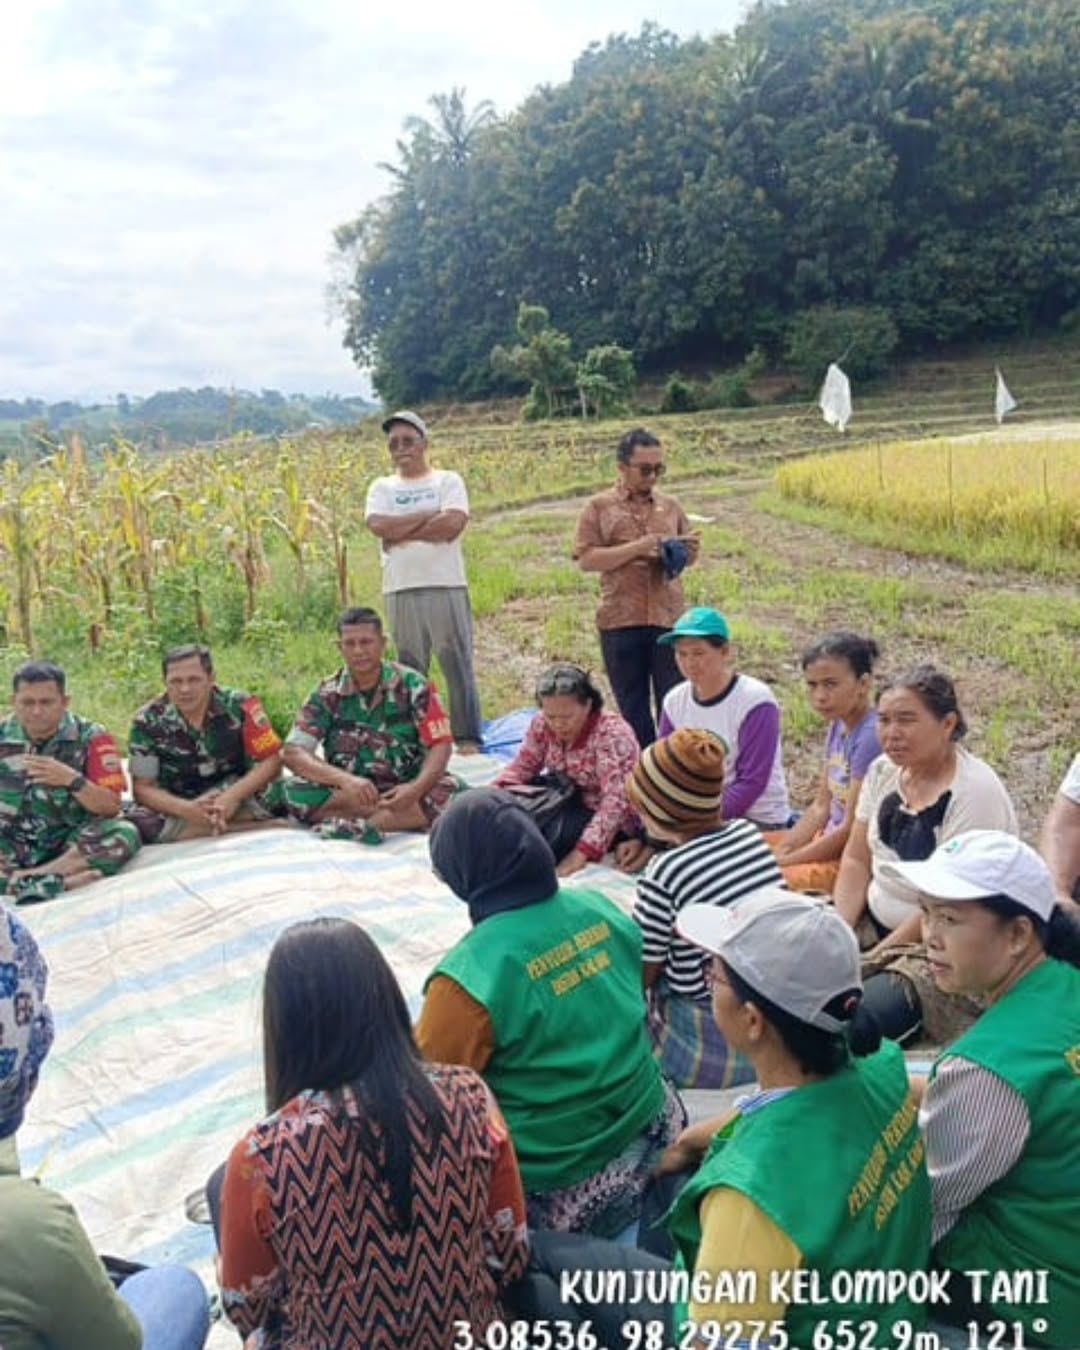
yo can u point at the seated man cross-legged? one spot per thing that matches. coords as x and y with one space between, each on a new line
204 759
60 784
386 741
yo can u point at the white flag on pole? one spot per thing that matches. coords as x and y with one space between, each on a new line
1003 400
835 398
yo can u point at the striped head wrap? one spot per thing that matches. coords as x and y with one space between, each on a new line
680 780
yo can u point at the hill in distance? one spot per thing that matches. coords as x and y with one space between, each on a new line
172 417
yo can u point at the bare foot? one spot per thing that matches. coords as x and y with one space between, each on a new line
66 865
75 881
469 748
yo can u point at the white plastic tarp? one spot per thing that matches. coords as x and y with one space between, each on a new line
835 398
1003 400
154 981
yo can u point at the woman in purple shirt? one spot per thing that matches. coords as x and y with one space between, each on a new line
839 679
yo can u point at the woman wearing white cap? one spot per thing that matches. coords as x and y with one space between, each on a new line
821 1170
1001 1112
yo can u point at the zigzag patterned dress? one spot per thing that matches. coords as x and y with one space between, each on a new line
312 1256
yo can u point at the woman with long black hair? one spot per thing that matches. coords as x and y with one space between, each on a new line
380 1203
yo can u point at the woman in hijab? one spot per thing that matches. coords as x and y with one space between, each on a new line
54 1291
544 998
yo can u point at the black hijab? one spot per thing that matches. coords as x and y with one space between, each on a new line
491 855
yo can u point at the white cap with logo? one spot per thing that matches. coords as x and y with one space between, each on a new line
981 863
794 951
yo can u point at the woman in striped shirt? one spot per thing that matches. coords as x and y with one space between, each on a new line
677 787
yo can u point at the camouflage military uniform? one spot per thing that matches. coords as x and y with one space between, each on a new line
38 823
383 735
166 750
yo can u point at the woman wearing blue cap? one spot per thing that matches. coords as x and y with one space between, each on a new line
1000 1110
741 710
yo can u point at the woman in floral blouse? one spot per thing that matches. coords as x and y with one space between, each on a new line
573 735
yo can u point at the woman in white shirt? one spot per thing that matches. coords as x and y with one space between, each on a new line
925 788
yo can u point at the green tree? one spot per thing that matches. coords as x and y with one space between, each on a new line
605 379
543 358
862 340
686 200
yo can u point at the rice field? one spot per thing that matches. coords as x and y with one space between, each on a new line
1006 500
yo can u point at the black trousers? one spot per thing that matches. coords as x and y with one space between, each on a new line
640 670
538 1297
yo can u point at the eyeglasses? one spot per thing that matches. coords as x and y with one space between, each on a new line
562 680
403 442
650 470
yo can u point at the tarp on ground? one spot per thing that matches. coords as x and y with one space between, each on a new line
155 979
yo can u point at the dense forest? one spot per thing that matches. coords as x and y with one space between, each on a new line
170 417
690 200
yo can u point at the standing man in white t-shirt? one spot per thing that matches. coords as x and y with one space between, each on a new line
418 515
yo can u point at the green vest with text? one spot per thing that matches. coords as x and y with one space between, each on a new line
572 1068
1030 1218
839 1166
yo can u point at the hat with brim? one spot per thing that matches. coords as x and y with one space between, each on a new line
796 952
699 622
410 419
978 864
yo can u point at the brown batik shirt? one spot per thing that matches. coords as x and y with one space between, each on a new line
638 594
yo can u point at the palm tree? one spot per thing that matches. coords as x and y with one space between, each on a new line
453 133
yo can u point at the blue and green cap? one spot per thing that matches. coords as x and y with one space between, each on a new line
699 622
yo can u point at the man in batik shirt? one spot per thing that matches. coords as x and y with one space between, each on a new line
203 759
61 781
386 741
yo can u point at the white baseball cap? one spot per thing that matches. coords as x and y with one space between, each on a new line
796 952
981 863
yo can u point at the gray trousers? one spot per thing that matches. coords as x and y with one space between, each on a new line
438 619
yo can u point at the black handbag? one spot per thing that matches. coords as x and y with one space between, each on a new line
555 804
119 1270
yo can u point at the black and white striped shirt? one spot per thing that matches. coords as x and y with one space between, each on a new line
714 869
976 1127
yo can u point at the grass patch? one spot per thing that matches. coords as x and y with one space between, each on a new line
189 546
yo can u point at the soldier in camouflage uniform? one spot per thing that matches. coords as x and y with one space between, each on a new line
61 780
203 760
386 741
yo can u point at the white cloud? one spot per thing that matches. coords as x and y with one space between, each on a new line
174 169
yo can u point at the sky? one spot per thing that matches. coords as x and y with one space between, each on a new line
172 171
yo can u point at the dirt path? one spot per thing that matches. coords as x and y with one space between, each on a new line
919 607
730 503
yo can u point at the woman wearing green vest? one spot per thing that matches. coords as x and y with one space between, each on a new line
1001 1112
544 998
818 1176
